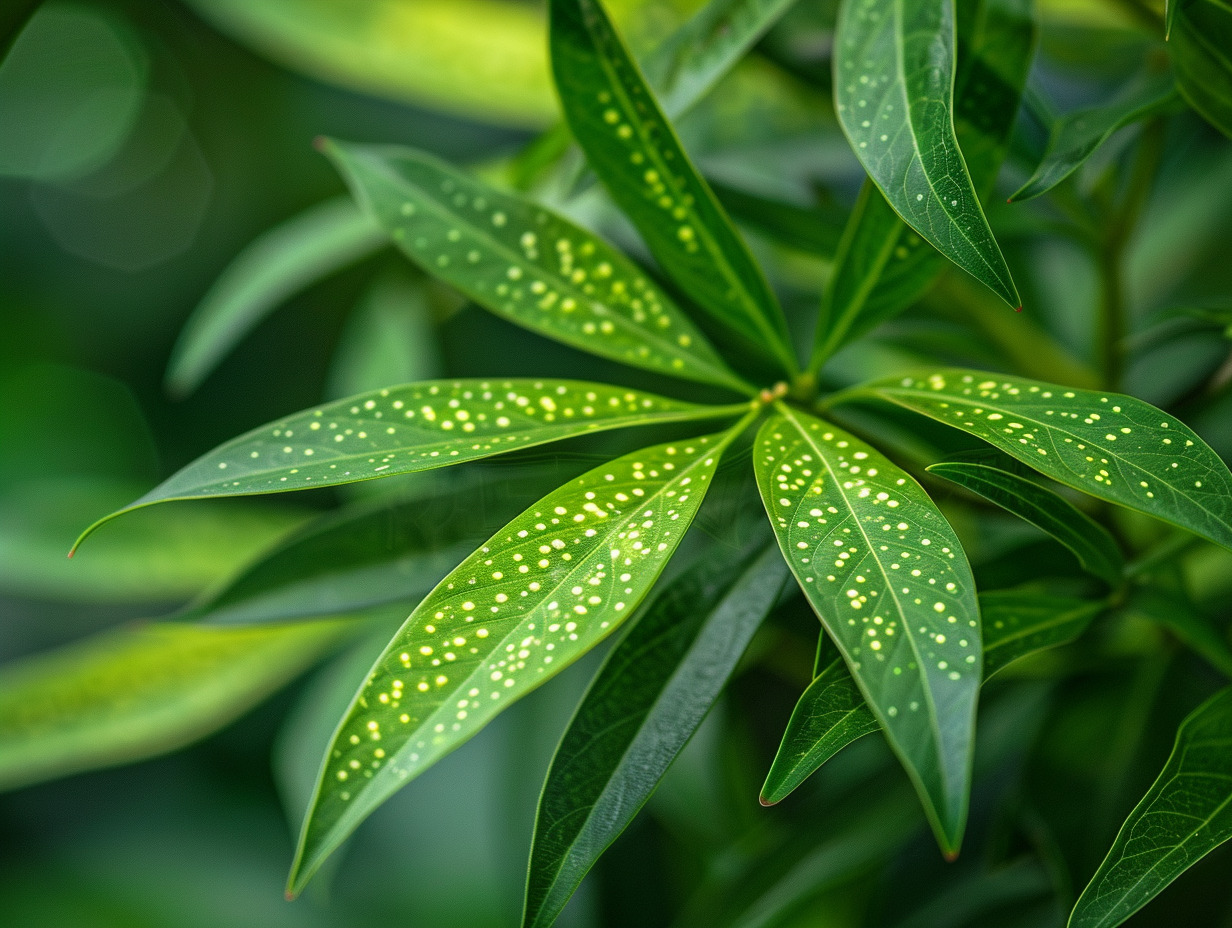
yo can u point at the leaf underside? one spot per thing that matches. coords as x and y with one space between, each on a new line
540 593
1114 447
888 578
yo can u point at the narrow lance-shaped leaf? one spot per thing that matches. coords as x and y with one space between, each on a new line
646 702
894 78
1201 52
635 152
1113 447
1169 17
540 593
416 427
1089 541
882 265
1076 136
1185 815
282 261
889 580
527 264
137 692
831 713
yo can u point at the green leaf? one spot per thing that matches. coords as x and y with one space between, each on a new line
282 261
1089 541
416 427
648 699
1185 815
1170 7
635 152
1114 447
1076 136
832 714
894 64
1169 604
137 692
889 580
882 265
527 264
539 594
1201 50
814 230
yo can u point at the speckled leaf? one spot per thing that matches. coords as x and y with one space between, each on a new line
635 152
832 714
1111 446
882 265
283 260
894 67
1201 51
1185 815
1076 136
646 702
889 580
416 427
540 593
1089 541
137 692
527 264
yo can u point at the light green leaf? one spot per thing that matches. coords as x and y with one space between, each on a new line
527 264
832 714
888 578
141 691
882 265
1201 51
1076 136
1185 815
539 594
1089 541
282 261
648 699
1113 447
416 427
894 77
635 152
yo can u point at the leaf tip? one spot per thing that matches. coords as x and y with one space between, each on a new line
1018 308
766 801
950 855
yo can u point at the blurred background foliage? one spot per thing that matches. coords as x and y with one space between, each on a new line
144 146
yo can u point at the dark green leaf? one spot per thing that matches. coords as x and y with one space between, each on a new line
1076 136
416 427
1087 539
1170 7
1113 447
134 693
634 150
890 582
282 261
538 595
1201 50
527 264
832 714
894 63
882 266
1169 604
646 702
812 229
1185 815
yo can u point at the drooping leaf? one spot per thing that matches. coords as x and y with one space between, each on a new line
540 593
527 264
635 152
1076 136
1113 447
888 578
416 427
832 713
141 691
1185 815
282 261
894 64
1089 541
882 266
646 702
1201 51
382 551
